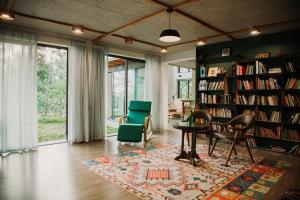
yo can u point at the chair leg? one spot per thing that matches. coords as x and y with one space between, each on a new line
230 152
249 151
188 138
234 151
209 143
214 145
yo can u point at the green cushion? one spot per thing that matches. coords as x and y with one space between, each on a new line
130 132
137 117
140 106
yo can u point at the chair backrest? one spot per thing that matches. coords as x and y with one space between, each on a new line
202 114
244 120
138 111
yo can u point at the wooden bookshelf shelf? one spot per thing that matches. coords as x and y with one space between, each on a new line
237 80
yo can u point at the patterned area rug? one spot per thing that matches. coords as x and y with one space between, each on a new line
253 183
154 174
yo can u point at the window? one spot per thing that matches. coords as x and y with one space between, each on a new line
126 83
184 85
52 66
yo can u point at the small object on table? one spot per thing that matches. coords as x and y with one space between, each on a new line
193 128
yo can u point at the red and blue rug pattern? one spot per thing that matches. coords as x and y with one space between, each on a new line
154 174
253 183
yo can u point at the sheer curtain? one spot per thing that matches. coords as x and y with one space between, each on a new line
18 86
152 88
97 93
78 116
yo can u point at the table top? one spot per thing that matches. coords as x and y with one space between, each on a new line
187 126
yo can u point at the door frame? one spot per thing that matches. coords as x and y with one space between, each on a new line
126 77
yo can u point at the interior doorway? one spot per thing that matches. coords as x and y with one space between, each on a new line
52 90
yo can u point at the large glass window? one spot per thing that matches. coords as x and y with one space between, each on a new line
52 68
185 84
125 83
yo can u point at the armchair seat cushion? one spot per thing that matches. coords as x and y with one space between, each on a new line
226 135
130 132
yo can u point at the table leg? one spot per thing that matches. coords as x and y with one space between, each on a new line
193 154
183 154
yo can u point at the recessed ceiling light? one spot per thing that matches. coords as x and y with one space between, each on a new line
163 50
254 32
128 40
7 15
169 35
200 43
78 30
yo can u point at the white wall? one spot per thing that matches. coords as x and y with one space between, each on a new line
172 81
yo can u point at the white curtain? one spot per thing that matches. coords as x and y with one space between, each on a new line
78 116
18 87
97 93
152 88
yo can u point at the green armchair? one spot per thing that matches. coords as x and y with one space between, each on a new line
136 123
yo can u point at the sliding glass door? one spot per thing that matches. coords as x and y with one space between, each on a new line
125 83
52 65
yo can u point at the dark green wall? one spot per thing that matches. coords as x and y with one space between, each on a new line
287 42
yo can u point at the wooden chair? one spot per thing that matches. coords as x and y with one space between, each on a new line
235 131
203 116
137 123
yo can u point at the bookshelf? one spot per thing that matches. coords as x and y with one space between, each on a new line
268 88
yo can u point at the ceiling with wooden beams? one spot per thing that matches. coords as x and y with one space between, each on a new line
110 21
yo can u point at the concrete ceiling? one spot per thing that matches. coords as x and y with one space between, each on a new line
186 63
107 15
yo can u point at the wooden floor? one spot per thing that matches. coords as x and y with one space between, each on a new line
55 172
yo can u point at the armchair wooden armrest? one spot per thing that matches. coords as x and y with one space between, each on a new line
147 128
123 119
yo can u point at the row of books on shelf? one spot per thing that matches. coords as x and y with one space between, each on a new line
262 68
290 67
275 116
244 70
268 84
204 85
220 112
211 99
292 83
272 100
245 85
294 119
290 100
245 100
269 133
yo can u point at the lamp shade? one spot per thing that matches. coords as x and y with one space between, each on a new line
169 35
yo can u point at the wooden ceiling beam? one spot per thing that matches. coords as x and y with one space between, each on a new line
129 24
144 18
85 28
238 31
204 24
